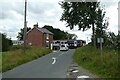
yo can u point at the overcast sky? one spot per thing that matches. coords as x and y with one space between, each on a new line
46 12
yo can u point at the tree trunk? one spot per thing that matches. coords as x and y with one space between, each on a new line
94 40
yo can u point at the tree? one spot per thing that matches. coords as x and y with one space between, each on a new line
102 24
81 14
112 40
58 34
21 33
74 37
6 42
71 36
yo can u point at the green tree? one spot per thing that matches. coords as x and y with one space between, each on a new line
60 35
102 24
112 40
71 36
57 33
81 14
6 42
21 33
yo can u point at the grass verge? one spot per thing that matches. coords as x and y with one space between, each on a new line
15 58
0 61
105 66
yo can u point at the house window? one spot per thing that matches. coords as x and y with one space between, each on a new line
47 44
47 36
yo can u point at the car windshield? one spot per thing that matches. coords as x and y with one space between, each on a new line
62 45
65 42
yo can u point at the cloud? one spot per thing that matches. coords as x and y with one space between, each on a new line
45 13
7 9
112 14
109 3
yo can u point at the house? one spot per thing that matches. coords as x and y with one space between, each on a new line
39 37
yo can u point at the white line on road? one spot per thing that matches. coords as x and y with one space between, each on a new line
61 54
55 51
67 52
75 71
54 60
84 76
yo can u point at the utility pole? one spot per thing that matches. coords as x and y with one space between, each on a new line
118 58
25 24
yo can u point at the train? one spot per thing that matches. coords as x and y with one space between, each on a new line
70 43
75 43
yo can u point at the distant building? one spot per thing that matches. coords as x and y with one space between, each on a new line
17 42
39 37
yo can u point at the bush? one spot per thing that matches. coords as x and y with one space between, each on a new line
19 47
6 42
16 47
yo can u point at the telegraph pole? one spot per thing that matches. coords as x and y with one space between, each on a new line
25 24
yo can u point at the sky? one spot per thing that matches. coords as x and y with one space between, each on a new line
47 12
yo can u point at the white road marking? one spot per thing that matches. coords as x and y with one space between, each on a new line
54 60
54 51
84 76
61 54
66 52
75 71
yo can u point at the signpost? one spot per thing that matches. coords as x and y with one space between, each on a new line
100 40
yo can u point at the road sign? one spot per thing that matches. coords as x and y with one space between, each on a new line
100 40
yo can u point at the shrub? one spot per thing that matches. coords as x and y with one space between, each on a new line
16 47
6 42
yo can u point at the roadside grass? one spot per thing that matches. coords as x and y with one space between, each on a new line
17 57
0 61
105 66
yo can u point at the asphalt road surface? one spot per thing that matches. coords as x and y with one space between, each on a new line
53 65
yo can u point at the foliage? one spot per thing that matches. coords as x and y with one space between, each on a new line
105 66
17 57
101 25
0 61
6 42
21 33
112 40
83 14
72 36
60 35
17 47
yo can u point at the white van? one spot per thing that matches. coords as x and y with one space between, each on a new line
63 47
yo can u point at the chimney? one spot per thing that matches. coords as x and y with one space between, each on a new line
36 25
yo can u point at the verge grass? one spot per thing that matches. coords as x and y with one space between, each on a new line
105 66
0 61
17 57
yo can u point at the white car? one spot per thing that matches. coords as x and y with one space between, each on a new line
63 47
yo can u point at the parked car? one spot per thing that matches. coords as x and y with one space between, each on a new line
63 47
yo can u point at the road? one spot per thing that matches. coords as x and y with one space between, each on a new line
53 65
